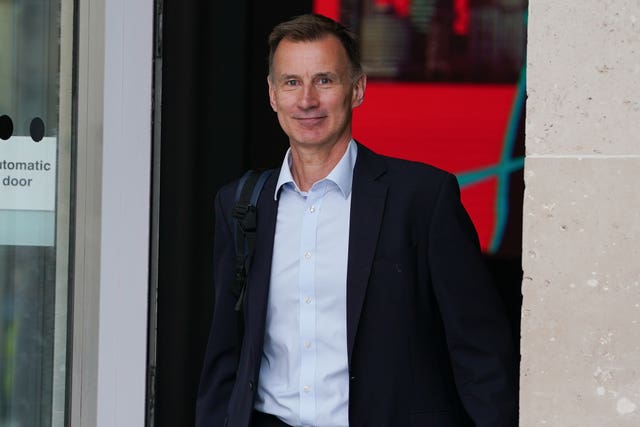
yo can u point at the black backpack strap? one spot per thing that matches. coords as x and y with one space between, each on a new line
245 216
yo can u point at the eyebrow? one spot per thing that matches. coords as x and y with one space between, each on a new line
326 74
285 77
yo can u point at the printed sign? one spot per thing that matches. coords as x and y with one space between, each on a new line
28 174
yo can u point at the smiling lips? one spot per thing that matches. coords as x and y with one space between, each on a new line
310 121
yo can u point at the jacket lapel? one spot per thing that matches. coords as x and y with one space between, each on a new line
367 208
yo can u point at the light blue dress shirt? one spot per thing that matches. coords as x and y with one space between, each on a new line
304 378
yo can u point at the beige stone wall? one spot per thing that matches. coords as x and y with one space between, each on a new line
581 243
581 249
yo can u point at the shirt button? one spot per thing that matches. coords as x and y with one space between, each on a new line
307 344
306 389
307 255
312 209
307 300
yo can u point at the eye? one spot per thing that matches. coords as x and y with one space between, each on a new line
291 83
324 80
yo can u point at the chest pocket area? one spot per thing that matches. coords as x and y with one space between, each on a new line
393 274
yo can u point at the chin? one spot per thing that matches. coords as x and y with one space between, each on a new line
310 140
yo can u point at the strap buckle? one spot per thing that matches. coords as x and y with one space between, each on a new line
246 217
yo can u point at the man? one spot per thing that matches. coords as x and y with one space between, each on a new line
367 303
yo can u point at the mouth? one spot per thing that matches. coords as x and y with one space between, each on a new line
310 121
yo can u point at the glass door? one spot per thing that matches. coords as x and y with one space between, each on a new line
35 166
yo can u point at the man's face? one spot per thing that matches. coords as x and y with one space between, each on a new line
312 91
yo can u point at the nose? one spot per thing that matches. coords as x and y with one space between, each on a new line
308 98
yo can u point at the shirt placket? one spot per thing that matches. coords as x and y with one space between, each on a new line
307 303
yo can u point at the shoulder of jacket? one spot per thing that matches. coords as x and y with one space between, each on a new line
403 167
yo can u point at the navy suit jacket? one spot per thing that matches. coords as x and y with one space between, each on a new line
429 342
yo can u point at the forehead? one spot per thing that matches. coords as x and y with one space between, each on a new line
324 52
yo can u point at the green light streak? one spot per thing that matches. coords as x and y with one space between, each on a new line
507 165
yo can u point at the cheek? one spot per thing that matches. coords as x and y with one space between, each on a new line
283 102
283 121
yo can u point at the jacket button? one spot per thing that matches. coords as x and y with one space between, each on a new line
250 385
352 378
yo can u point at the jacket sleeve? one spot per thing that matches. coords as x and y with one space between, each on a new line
476 325
221 357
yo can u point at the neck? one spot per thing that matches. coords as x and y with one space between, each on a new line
311 164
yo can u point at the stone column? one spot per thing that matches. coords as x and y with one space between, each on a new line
581 244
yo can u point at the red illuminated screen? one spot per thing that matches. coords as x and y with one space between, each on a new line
458 128
465 128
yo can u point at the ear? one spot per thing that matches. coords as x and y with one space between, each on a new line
272 94
358 90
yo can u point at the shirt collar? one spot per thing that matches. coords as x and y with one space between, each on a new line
341 174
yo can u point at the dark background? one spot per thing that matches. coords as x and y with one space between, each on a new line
215 123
